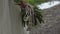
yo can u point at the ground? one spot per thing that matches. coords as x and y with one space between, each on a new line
51 23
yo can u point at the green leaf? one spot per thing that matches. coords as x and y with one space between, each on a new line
37 12
34 2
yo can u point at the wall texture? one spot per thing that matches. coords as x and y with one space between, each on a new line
10 20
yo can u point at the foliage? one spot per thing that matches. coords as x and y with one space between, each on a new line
32 2
37 12
37 16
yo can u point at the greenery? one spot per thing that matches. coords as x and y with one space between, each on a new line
37 12
32 2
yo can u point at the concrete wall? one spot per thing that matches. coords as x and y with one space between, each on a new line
10 22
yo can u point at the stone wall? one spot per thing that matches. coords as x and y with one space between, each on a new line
51 23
